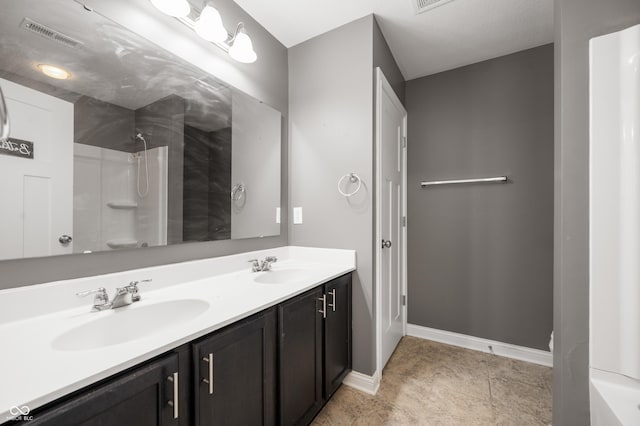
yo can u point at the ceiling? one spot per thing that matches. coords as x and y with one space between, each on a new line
455 34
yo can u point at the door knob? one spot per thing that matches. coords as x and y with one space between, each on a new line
386 244
65 239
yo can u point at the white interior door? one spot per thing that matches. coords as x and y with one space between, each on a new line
391 128
37 194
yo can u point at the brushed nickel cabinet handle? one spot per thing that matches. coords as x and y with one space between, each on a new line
176 394
323 311
209 381
332 305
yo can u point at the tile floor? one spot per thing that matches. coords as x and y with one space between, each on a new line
429 383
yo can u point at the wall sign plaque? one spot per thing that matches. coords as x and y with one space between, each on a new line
16 148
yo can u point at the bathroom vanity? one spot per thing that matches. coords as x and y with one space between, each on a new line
236 347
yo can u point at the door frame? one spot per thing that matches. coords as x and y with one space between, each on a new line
382 84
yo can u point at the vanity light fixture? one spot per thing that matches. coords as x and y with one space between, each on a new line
241 48
176 8
54 72
209 26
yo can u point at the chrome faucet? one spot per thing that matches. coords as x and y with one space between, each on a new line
124 296
135 291
255 265
265 265
100 301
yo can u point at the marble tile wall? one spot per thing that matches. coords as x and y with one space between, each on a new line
207 177
103 125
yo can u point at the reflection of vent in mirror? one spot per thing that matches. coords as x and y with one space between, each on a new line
422 6
46 32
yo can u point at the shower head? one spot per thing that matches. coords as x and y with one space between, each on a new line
138 155
139 138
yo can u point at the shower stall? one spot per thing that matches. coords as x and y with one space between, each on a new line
614 230
120 198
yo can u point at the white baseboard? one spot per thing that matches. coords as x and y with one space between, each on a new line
508 350
362 382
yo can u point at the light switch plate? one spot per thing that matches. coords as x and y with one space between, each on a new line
297 215
277 214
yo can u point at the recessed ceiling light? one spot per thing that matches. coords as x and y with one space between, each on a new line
54 72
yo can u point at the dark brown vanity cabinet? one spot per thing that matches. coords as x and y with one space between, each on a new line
337 333
300 333
235 374
145 396
315 349
278 366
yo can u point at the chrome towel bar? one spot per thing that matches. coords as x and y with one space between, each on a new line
478 180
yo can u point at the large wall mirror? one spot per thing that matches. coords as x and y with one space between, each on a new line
116 143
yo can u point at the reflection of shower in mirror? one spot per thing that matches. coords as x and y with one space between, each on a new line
107 212
140 138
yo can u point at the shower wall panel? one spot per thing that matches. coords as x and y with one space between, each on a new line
614 203
151 221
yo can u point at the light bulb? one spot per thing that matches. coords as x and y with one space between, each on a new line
54 72
177 8
209 25
242 49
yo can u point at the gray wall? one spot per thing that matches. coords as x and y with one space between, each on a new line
383 58
330 104
331 127
266 80
480 257
576 22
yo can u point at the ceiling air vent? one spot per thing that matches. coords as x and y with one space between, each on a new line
51 34
422 6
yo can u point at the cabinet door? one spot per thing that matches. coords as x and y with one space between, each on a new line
300 332
235 374
142 397
337 333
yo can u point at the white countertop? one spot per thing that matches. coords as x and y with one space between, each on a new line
33 372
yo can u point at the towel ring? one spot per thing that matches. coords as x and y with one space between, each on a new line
353 178
237 192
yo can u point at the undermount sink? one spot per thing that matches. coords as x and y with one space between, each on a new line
282 276
129 323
